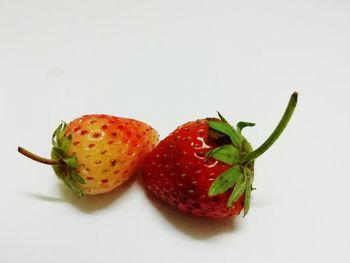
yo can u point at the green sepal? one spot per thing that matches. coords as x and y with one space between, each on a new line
67 171
227 129
55 136
238 190
77 177
222 118
225 181
227 154
59 134
65 174
66 140
246 147
71 161
242 124
247 196
238 177
242 184
71 182
57 153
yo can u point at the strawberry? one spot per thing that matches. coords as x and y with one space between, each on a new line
206 167
94 154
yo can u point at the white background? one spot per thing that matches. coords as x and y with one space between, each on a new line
167 62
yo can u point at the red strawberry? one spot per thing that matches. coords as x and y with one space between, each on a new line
94 154
206 167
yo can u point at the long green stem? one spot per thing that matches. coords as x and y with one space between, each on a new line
276 133
38 158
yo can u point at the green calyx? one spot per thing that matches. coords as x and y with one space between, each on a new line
240 175
241 156
67 169
64 165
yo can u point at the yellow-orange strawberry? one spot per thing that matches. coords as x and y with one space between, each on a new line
95 153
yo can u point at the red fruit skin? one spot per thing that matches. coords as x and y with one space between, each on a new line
177 172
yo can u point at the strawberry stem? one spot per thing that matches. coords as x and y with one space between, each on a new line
38 158
276 133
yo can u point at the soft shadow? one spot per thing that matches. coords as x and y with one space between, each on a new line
92 203
45 198
87 204
197 227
